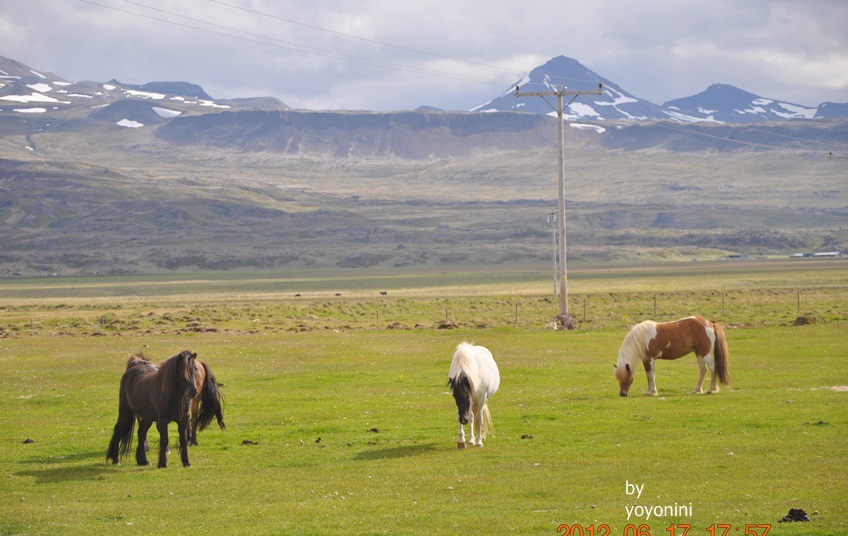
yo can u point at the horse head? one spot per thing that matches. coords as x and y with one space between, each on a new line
624 375
188 372
461 387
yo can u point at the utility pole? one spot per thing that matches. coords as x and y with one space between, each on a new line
566 321
552 220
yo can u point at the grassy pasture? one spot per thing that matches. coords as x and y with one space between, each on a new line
338 424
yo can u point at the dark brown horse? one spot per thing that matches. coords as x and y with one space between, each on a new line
152 393
207 405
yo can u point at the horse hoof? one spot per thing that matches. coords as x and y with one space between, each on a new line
460 445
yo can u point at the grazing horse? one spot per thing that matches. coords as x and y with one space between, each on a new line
649 341
473 378
154 393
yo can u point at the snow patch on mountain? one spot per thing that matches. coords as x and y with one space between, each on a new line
583 126
129 123
144 94
32 97
165 113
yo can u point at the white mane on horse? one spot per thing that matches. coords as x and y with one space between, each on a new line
634 349
462 361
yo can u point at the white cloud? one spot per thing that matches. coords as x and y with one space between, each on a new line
656 49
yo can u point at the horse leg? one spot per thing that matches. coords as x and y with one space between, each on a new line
649 372
195 405
184 441
147 443
141 450
471 429
478 427
162 426
460 442
710 362
702 366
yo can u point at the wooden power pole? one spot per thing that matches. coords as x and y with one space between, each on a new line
563 269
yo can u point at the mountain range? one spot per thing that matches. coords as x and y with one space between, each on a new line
719 103
25 90
116 178
182 114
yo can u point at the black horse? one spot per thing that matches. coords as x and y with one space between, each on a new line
151 393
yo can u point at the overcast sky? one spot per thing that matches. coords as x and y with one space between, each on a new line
452 54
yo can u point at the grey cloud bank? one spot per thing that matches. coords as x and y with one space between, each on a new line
384 55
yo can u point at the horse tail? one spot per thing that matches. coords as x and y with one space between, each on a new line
721 354
486 426
211 402
122 434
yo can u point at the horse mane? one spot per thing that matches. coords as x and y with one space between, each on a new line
634 350
169 370
138 359
459 377
461 359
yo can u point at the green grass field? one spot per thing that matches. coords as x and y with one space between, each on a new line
338 424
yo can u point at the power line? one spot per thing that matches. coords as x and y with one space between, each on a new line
306 49
829 144
392 45
282 44
365 39
731 140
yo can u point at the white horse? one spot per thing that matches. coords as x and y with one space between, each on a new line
473 378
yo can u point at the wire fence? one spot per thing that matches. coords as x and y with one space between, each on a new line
740 308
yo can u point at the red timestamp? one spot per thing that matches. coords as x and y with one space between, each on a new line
680 529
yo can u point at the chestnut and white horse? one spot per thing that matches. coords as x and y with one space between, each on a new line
473 379
649 341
